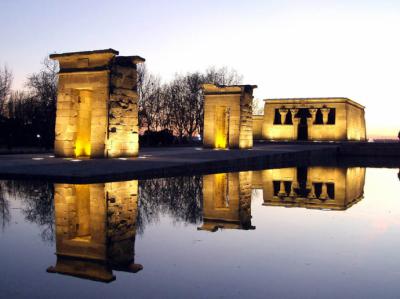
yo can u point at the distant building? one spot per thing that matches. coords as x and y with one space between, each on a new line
320 119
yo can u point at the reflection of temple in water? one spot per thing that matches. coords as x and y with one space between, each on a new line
312 187
227 201
95 229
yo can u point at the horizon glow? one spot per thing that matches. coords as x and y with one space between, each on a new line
287 48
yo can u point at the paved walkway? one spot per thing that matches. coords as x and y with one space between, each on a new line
159 162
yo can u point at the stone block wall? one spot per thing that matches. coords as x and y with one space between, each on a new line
235 102
347 184
77 208
227 201
257 126
122 202
326 132
96 224
97 113
349 120
71 88
356 128
123 129
246 118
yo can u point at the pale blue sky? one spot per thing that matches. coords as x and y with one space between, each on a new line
287 48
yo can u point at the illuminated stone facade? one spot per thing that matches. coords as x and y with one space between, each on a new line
313 187
321 119
97 113
228 116
227 201
95 229
258 121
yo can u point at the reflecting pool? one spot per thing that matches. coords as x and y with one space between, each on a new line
305 232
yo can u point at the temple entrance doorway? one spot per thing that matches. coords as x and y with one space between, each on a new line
222 116
83 136
302 130
82 214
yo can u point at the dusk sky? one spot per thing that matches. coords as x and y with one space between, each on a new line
287 48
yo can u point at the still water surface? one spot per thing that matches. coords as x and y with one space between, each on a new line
284 233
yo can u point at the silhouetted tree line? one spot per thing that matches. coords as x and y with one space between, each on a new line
179 197
173 112
38 205
27 118
169 112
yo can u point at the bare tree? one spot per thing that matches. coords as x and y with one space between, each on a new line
178 105
222 76
257 106
43 89
43 85
151 100
195 102
5 215
6 79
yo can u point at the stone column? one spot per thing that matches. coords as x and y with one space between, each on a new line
296 122
325 112
313 112
293 193
324 192
283 112
312 195
293 111
282 191
310 123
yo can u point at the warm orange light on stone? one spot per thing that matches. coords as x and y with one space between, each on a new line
330 188
320 119
97 113
228 116
95 229
227 201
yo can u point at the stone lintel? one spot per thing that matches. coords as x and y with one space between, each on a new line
129 60
85 53
214 89
84 70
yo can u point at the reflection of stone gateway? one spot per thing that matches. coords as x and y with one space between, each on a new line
227 201
228 116
313 187
97 114
95 229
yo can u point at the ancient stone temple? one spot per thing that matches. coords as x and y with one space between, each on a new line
228 116
320 119
227 201
97 114
95 229
329 188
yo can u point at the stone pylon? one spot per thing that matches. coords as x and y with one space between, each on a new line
97 105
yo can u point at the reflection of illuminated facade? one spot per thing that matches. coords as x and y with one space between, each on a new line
322 119
313 187
227 201
228 116
95 229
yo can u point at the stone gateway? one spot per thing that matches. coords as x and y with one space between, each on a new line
228 116
97 113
